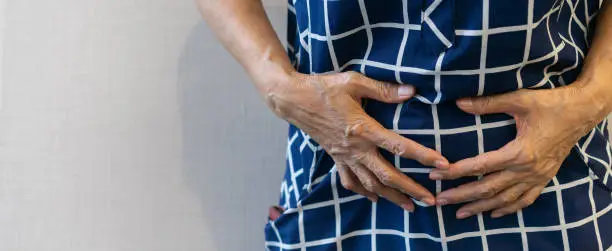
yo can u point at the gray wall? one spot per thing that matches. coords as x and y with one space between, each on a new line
125 126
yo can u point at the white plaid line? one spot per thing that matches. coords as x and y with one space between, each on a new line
366 21
561 212
400 54
407 230
291 8
365 27
415 170
373 226
309 49
608 165
398 110
481 85
417 27
337 213
434 112
571 43
594 211
420 71
301 225
527 51
457 130
356 233
576 19
532 229
437 32
311 171
586 14
330 44
452 238
546 78
273 225
291 168
286 194
565 186
303 36
603 126
521 223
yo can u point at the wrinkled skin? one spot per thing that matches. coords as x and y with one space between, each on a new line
549 123
328 108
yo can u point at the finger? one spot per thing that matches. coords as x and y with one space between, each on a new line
399 145
392 177
524 201
486 187
480 165
505 103
371 183
352 183
365 87
502 199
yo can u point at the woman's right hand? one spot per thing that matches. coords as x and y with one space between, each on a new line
328 108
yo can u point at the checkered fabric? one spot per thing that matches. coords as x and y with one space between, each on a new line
448 49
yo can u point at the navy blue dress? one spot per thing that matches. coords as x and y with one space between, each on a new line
448 49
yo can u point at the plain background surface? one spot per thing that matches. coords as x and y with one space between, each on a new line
125 126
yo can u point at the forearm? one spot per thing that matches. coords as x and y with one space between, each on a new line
245 31
597 71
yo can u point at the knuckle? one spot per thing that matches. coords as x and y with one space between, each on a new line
337 150
398 148
525 202
274 102
394 146
386 178
524 156
349 77
385 91
485 102
356 128
361 157
486 192
506 200
349 184
481 165
370 185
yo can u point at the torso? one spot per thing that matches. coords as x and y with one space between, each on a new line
447 50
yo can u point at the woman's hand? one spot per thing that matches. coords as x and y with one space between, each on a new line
549 123
328 108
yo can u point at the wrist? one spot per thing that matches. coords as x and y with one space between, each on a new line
594 98
596 79
271 72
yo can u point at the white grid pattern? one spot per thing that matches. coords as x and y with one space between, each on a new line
498 231
437 132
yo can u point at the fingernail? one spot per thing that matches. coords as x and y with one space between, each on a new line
373 198
466 103
463 215
408 207
405 91
441 164
429 201
435 176
496 215
442 202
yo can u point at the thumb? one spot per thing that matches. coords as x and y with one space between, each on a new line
382 91
505 103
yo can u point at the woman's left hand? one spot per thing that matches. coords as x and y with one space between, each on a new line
549 123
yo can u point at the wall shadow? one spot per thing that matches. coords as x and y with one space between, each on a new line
232 146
